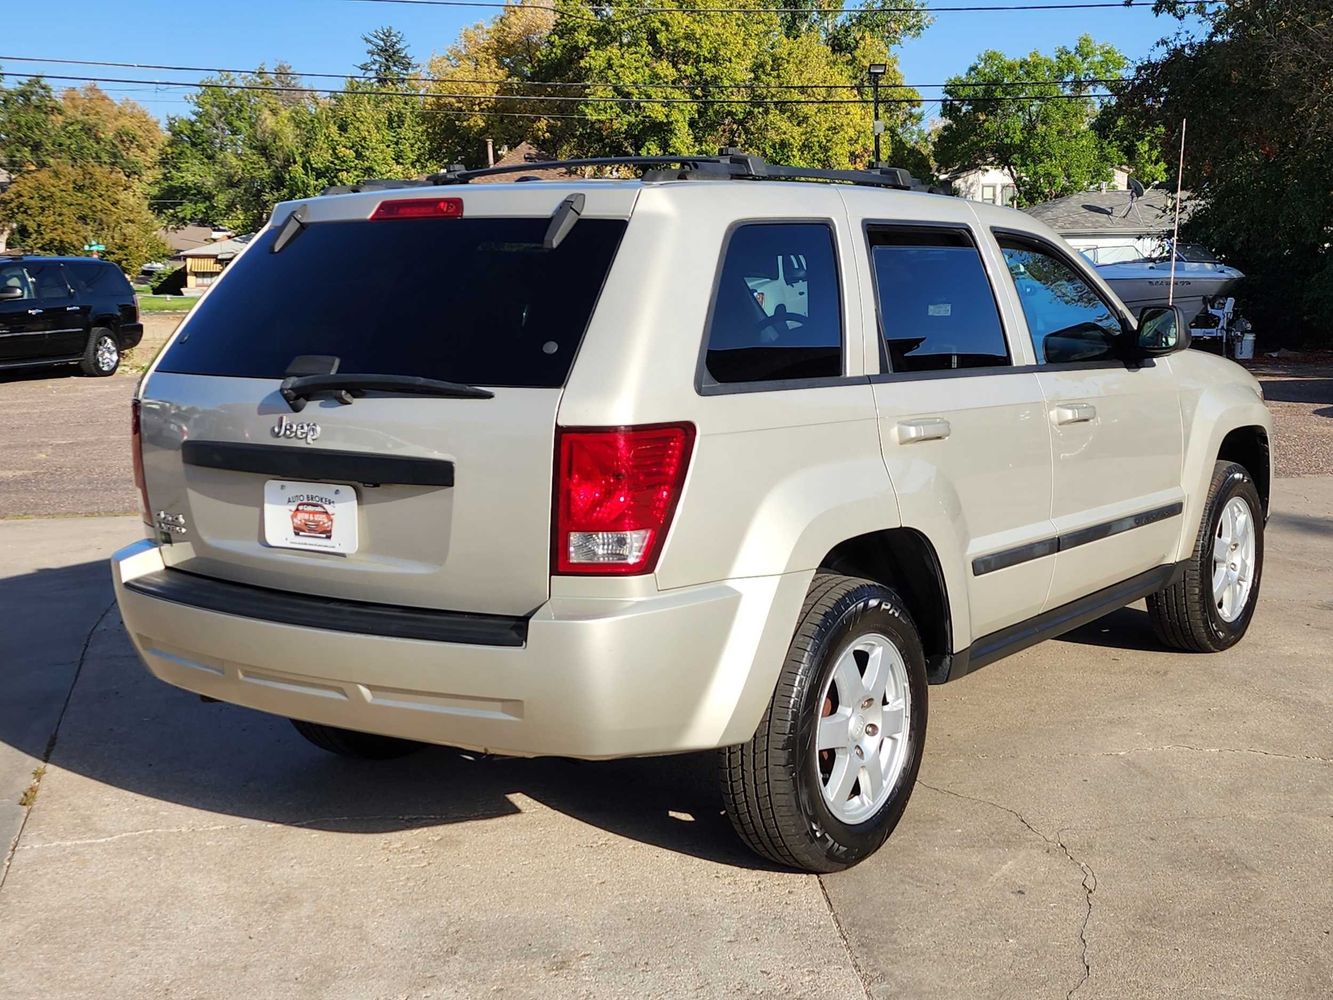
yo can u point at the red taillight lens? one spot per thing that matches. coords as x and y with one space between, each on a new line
418 208
136 450
615 492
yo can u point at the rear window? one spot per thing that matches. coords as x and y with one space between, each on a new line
92 278
465 300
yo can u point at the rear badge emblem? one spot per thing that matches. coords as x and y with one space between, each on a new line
303 431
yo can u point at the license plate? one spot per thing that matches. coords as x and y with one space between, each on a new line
316 516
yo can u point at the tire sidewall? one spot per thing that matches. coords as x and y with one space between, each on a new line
868 609
1236 484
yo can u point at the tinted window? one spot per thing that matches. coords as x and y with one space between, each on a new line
1067 319
14 276
50 282
777 313
467 300
92 278
936 308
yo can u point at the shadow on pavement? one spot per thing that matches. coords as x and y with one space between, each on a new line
1128 628
1299 390
128 730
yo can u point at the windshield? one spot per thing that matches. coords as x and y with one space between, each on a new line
465 300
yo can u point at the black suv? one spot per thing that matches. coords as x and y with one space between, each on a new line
61 310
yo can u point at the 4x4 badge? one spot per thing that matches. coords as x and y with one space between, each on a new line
284 428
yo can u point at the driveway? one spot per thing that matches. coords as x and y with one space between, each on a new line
1096 818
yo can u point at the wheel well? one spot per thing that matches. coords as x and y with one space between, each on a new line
1248 446
905 560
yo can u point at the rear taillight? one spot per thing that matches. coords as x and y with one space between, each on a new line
615 492
418 208
136 450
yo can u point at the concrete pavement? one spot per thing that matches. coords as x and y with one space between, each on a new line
1096 818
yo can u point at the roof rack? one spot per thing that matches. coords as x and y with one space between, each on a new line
729 164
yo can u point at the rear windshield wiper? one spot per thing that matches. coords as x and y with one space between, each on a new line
297 389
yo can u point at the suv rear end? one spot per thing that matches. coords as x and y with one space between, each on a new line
473 568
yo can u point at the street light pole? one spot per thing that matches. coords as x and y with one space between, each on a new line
876 70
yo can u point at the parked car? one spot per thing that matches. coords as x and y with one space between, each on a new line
597 499
66 310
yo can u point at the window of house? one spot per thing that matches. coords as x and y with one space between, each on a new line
988 194
936 308
1007 195
777 312
1067 319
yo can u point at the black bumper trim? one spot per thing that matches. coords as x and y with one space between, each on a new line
330 613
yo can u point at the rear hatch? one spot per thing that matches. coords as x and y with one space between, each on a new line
414 500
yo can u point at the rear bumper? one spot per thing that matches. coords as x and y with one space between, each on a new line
687 669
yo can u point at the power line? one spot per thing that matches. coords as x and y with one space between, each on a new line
757 9
578 99
1097 81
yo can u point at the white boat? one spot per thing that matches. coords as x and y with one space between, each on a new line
1199 279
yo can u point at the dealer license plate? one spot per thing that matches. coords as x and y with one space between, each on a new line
316 516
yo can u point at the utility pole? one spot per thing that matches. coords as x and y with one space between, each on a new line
876 70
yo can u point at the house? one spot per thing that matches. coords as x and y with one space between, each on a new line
190 237
526 152
1110 226
204 263
995 185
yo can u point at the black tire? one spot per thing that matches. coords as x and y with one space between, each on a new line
772 785
349 743
102 355
1184 615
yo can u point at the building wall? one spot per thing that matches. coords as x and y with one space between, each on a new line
994 186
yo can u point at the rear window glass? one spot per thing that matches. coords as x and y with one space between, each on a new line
777 314
465 300
936 307
96 279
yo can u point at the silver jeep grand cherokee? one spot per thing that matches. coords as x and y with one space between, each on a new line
717 458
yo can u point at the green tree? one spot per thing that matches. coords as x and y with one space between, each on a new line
1034 117
360 133
387 59
58 209
1256 88
28 113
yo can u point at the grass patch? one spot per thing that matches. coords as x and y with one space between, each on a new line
166 303
29 795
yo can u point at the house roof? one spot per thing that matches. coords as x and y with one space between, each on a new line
1108 213
526 152
222 248
187 237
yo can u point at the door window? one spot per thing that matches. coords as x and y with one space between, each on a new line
50 282
936 308
1067 319
14 276
777 313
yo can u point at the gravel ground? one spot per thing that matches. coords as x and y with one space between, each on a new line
64 446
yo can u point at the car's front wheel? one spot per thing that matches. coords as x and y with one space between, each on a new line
828 773
102 355
1210 607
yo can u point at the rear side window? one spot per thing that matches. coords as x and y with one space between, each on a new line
92 278
465 300
777 313
50 281
936 308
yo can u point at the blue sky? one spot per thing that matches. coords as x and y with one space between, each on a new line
325 36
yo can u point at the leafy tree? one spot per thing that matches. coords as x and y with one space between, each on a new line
58 209
1256 88
28 112
1034 117
387 60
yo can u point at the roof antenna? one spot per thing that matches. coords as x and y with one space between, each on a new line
1175 237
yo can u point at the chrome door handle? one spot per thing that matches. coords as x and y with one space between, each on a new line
1073 413
930 429
34 312
71 309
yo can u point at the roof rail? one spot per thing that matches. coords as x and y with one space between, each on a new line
730 164
374 184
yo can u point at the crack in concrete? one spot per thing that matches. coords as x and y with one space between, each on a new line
1164 748
1089 882
859 972
51 743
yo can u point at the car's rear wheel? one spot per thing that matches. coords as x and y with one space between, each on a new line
349 743
827 775
1210 607
102 355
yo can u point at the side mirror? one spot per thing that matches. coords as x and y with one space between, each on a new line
1162 330
8 292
